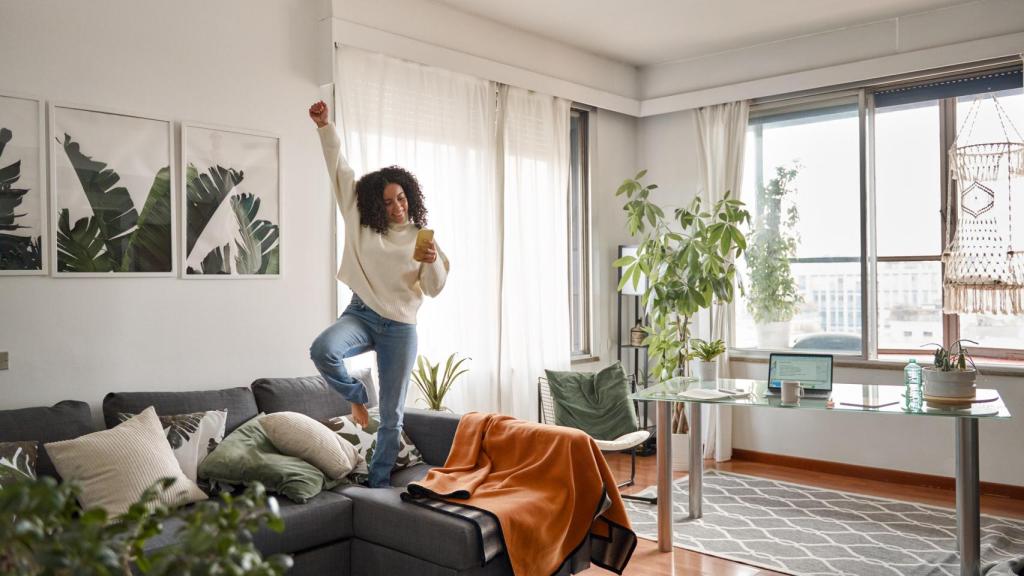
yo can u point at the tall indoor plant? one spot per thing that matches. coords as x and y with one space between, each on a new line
689 264
772 295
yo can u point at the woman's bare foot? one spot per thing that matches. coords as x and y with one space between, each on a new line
360 415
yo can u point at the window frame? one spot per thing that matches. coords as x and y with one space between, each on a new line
582 116
1005 358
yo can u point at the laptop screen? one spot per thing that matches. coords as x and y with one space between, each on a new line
813 371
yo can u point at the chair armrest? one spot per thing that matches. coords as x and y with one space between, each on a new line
432 433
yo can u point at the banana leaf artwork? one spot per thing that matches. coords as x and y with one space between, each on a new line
22 215
231 203
113 199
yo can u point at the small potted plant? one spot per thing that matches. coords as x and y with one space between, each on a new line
432 384
953 373
707 353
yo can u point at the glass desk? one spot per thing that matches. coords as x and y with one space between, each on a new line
846 398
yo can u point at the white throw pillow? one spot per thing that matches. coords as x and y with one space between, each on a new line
298 435
114 467
191 436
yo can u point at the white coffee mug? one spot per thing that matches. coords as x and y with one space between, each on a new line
791 392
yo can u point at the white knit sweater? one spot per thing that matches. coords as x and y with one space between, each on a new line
379 268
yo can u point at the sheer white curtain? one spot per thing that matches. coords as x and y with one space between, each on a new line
535 331
440 126
494 167
721 133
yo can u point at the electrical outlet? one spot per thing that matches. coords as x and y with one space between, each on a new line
3 361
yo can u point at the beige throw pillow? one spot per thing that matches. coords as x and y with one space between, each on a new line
300 436
114 467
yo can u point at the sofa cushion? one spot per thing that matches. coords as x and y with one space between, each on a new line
114 467
191 436
298 435
438 538
247 455
63 421
325 518
18 461
308 395
239 403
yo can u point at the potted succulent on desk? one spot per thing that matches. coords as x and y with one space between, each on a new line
707 353
953 373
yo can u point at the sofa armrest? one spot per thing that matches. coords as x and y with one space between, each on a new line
432 433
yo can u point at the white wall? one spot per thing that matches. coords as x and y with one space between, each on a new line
244 63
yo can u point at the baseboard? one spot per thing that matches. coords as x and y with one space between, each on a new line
869 473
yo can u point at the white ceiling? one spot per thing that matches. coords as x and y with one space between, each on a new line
644 32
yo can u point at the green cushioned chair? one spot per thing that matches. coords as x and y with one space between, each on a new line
626 442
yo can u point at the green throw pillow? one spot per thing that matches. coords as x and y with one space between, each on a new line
247 455
597 403
18 461
365 441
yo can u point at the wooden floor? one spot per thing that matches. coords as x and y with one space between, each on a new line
647 561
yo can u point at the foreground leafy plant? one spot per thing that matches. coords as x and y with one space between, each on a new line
44 532
431 386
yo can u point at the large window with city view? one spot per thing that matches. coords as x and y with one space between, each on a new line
824 246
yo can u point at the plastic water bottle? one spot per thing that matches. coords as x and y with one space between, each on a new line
912 383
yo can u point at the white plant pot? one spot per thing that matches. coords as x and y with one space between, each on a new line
707 371
680 452
954 384
773 335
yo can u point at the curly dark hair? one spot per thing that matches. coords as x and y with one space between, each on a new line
370 198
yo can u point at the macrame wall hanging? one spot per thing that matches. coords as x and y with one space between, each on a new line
983 260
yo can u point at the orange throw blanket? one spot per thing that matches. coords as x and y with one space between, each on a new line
549 487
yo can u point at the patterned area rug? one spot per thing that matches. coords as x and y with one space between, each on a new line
810 531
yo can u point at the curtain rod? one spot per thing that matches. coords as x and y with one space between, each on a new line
895 80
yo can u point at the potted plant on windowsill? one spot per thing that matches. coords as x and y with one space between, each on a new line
772 294
689 263
953 373
707 353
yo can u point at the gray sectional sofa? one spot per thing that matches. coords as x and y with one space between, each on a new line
351 530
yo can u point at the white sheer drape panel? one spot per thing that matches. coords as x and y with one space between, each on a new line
535 330
721 133
440 126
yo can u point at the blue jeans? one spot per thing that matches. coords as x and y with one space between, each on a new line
358 330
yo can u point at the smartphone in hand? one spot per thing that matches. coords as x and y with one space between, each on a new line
423 239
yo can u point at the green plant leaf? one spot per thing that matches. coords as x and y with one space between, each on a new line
216 261
112 206
149 249
204 194
81 248
258 237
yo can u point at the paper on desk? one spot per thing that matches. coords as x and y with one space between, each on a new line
704 394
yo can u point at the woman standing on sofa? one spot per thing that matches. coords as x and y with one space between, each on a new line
383 212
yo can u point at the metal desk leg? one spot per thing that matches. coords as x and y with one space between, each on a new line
664 479
968 509
696 462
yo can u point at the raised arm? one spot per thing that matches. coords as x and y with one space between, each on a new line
343 178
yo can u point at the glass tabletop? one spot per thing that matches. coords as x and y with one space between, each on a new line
844 398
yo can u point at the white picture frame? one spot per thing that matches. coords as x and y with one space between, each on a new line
137 148
24 114
254 157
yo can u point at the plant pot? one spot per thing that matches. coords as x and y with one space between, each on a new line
953 384
773 335
707 371
680 452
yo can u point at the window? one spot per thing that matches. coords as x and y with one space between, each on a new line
579 232
848 193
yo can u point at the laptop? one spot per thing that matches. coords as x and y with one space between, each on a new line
812 371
